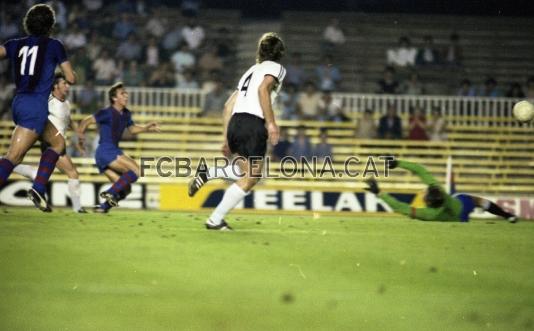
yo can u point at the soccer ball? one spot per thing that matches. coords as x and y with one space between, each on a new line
523 111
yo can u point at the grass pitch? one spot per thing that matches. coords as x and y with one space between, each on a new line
162 271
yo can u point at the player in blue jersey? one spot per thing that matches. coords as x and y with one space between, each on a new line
120 169
34 59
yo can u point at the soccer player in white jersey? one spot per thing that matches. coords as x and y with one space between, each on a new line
59 116
249 123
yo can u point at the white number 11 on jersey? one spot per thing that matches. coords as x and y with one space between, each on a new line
25 52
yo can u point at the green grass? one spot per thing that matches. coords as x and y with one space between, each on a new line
163 271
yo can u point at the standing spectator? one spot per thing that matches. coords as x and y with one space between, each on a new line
193 34
453 52
152 53
105 69
208 62
215 100
281 149
530 87
75 39
417 125
428 54
413 86
466 89
133 75
301 146
328 75
323 149
330 109
130 49
490 89
289 99
123 28
390 125
403 55
183 59
308 103
295 73
388 84
187 80
366 127
333 36
437 126
515 91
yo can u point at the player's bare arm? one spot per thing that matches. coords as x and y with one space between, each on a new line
84 124
227 114
3 52
149 127
70 75
264 91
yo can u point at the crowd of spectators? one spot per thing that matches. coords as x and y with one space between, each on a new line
301 147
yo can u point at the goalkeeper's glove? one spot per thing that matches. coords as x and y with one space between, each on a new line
372 186
392 164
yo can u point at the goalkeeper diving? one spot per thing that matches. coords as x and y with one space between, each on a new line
440 205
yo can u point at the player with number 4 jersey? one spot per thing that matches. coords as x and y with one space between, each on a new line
34 60
248 124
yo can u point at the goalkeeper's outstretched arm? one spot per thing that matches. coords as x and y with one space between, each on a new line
419 171
423 214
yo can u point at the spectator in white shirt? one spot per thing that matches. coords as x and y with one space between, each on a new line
193 34
333 36
183 59
105 69
402 56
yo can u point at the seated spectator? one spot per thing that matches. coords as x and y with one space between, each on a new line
437 126
330 109
333 36
215 100
301 146
530 87
328 74
366 127
92 5
183 59
88 98
105 69
417 125
515 91
133 75
466 89
75 39
211 82
413 86
123 28
152 53
172 40
323 149
8 27
187 80
490 89
289 99
308 103
453 54
390 125
388 84
193 34
223 41
427 55
94 47
130 49
295 73
281 149
155 26
163 76
403 55
208 62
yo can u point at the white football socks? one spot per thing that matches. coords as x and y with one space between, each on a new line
231 172
74 192
233 195
26 171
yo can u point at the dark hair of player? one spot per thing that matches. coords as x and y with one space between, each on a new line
58 77
434 197
112 92
39 20
270 48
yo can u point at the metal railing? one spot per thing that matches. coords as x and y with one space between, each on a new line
459 110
